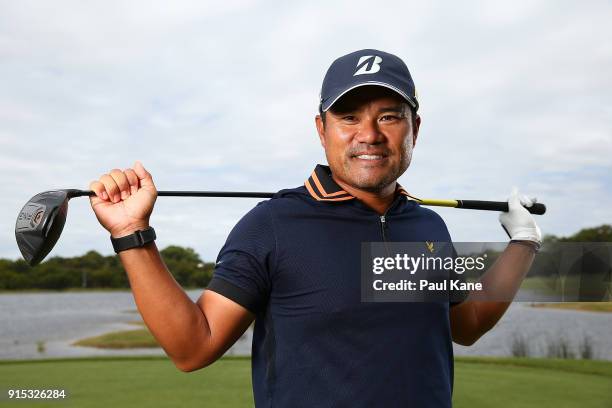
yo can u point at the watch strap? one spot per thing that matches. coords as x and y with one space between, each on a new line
137 239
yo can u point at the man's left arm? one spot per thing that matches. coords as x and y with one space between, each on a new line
482 310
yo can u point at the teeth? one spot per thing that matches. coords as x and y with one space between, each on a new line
369 157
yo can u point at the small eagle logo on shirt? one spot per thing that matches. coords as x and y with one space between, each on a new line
430 246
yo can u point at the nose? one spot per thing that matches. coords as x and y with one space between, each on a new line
369 132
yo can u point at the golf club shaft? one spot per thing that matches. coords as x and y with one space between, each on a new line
243 194
536 208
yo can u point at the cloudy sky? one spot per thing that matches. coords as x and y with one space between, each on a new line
222 96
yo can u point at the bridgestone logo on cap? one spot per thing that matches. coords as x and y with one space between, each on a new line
368 66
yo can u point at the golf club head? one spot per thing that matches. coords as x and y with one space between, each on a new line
40 223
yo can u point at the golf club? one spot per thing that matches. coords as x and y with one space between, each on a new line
41 220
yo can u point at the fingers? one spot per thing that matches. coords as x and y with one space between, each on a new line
114 186
98 188
132 180
513 200
144 177
122 183
118 185
112 189
526 201
520 199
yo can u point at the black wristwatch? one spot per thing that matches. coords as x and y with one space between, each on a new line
136 240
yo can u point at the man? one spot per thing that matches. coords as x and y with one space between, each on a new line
292 264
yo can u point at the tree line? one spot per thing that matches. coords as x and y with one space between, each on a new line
580 255
94 270
588 260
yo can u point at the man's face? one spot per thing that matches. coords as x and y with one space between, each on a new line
368 137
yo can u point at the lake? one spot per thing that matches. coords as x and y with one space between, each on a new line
43 325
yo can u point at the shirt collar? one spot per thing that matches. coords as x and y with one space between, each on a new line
322 187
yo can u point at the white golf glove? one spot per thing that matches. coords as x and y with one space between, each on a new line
518 223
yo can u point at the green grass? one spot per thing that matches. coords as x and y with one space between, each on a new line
155 382
522 383
133 382
581 306
549 284
65 290
120 340
77 289
554 284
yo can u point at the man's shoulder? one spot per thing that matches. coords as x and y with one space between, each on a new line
429 214
264 216
288 197
434 220
299 193
283 201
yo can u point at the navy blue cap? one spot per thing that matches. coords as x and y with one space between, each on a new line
367 67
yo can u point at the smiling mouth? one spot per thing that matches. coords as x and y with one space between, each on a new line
369 157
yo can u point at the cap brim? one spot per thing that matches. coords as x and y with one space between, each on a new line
411 101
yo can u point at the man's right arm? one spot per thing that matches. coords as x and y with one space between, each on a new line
193 334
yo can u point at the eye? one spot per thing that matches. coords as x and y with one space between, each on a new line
349 118
387 118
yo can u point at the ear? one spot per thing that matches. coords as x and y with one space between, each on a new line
415 131
320 129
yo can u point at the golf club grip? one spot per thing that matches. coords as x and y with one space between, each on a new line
536 208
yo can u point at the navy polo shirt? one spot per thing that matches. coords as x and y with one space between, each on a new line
294 261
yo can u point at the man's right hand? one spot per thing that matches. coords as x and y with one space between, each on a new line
124 200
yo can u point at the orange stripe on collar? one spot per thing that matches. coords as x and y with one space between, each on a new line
403 191
317 196
322 187
325 194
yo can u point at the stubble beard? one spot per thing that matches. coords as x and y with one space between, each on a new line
375 184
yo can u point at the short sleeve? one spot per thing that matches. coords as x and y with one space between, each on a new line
243 266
